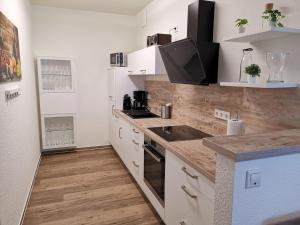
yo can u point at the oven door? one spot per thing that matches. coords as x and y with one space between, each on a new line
154 172
115 59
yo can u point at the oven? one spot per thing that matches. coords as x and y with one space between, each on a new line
154 168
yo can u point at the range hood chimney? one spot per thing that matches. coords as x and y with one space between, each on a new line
201 21
194 60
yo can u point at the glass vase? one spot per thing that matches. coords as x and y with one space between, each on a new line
277 64
246 61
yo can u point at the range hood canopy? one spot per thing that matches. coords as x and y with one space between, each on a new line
194 60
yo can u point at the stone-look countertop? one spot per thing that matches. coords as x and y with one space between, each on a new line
256 146
193 153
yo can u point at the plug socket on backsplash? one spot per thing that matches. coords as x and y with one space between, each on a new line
223 115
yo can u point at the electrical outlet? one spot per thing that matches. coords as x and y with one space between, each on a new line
173 29
223 115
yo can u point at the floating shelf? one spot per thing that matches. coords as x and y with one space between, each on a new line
263 34
259 85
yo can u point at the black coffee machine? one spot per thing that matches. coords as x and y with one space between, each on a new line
139 100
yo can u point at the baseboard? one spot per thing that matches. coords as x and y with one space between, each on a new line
30 191
68 150
94 148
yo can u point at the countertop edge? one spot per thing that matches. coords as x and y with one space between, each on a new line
259 153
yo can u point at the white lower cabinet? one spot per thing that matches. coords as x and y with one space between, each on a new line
189 196
129 146
137 155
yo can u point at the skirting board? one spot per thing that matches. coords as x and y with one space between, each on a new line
76 149
30 191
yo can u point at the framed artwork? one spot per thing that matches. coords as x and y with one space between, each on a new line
10 64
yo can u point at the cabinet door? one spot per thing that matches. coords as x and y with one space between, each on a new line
59 131
112 124
125 142
146 61
111 84
56 75
132 59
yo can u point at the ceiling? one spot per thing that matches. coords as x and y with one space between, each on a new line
127 7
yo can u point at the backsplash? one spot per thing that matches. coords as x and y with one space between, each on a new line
261 109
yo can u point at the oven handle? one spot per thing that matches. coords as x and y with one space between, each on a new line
150 153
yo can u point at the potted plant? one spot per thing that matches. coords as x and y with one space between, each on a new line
241 23
273 16
253 71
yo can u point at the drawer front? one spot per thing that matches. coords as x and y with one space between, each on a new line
189 195
198 208
197 181
137 135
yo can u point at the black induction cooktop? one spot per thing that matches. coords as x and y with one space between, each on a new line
179 133
140 114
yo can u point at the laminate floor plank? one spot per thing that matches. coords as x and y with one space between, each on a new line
87 188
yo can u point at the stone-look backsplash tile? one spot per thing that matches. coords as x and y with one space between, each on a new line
261 109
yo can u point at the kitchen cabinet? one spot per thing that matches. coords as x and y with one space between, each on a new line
146 61
189 196
137 155
58 103
129 146
124 142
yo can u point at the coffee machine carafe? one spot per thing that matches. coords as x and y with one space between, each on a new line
140 100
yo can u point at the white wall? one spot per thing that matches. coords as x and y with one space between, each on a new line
277 198
163 15
89 38
19 137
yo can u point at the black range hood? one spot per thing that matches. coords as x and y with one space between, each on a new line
194 60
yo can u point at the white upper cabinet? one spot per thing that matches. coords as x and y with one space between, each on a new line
146 61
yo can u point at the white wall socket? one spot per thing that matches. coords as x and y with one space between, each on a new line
223 115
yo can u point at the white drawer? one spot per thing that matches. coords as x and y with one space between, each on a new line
137 135
197 181
189 194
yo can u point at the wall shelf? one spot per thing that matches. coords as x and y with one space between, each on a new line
263 34
259 85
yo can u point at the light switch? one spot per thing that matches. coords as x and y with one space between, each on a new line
253 178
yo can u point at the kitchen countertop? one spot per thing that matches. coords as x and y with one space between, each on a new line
193 153
256 146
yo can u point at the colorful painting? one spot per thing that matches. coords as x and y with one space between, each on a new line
10 64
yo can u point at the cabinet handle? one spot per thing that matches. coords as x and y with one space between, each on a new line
112 109
135 131
184 188
143 71
182 223
120 128
184 169
136 165
134 142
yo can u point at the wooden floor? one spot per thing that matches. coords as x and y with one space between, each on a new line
86 188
